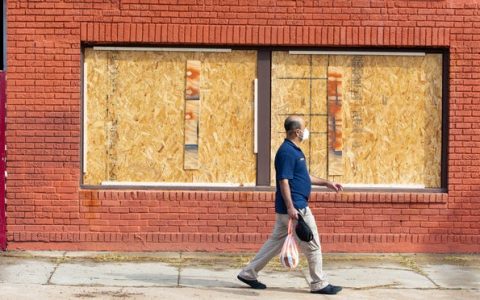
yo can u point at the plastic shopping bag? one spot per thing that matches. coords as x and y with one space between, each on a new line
289 255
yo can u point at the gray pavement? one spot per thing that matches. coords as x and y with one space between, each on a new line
109 275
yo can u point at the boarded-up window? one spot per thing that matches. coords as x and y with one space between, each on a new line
135 117
374 120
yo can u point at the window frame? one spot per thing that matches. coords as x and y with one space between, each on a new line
263 160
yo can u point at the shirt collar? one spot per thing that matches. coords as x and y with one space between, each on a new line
293 144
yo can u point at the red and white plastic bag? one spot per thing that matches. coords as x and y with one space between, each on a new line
289 255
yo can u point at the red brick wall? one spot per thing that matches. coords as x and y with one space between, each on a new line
3 222
47 209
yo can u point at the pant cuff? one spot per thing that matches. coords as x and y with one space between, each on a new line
246 275
318 285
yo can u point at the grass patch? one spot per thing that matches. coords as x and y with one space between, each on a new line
112 294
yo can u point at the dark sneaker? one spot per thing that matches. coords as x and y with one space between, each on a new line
254 284
328 290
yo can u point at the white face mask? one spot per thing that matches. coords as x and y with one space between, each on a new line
305 134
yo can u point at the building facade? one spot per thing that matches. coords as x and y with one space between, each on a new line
151 125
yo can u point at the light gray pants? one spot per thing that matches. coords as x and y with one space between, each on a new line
273 246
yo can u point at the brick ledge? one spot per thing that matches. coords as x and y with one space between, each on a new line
227 238
89 196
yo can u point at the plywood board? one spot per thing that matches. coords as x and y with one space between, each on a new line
389 121
292 96
335 116
192 89
318 155
298 87
319 100
97 115
137 114
432 68
192 115
319 66
391 115
295 92
298 67
318 124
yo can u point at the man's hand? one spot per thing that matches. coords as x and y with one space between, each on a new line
337 187
293 213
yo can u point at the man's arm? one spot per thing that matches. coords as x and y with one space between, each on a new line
323 182
287 198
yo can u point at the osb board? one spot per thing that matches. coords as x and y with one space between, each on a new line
291 96
290 68
192 82
432 68
392 116
397 134
335 120
318 92
318 153
140 138
298 87
192 114
96 118
317 124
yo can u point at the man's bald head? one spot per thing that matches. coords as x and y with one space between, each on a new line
293 123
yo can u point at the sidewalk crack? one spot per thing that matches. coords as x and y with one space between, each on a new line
179 270
58 262
411 263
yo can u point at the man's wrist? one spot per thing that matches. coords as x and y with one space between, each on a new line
320 181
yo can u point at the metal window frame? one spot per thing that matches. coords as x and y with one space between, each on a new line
161 49
364 53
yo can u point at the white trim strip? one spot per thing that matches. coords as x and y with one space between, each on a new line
399 186
369 53
166 49
204 184
255 115
180 184
85 116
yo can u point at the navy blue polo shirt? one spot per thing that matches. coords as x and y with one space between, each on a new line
290 164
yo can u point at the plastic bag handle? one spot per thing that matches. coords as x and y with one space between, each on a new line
290 226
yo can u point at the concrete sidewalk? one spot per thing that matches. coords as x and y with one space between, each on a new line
108 275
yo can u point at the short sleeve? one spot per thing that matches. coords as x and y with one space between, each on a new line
285 165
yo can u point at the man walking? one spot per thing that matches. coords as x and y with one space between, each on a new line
293 189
